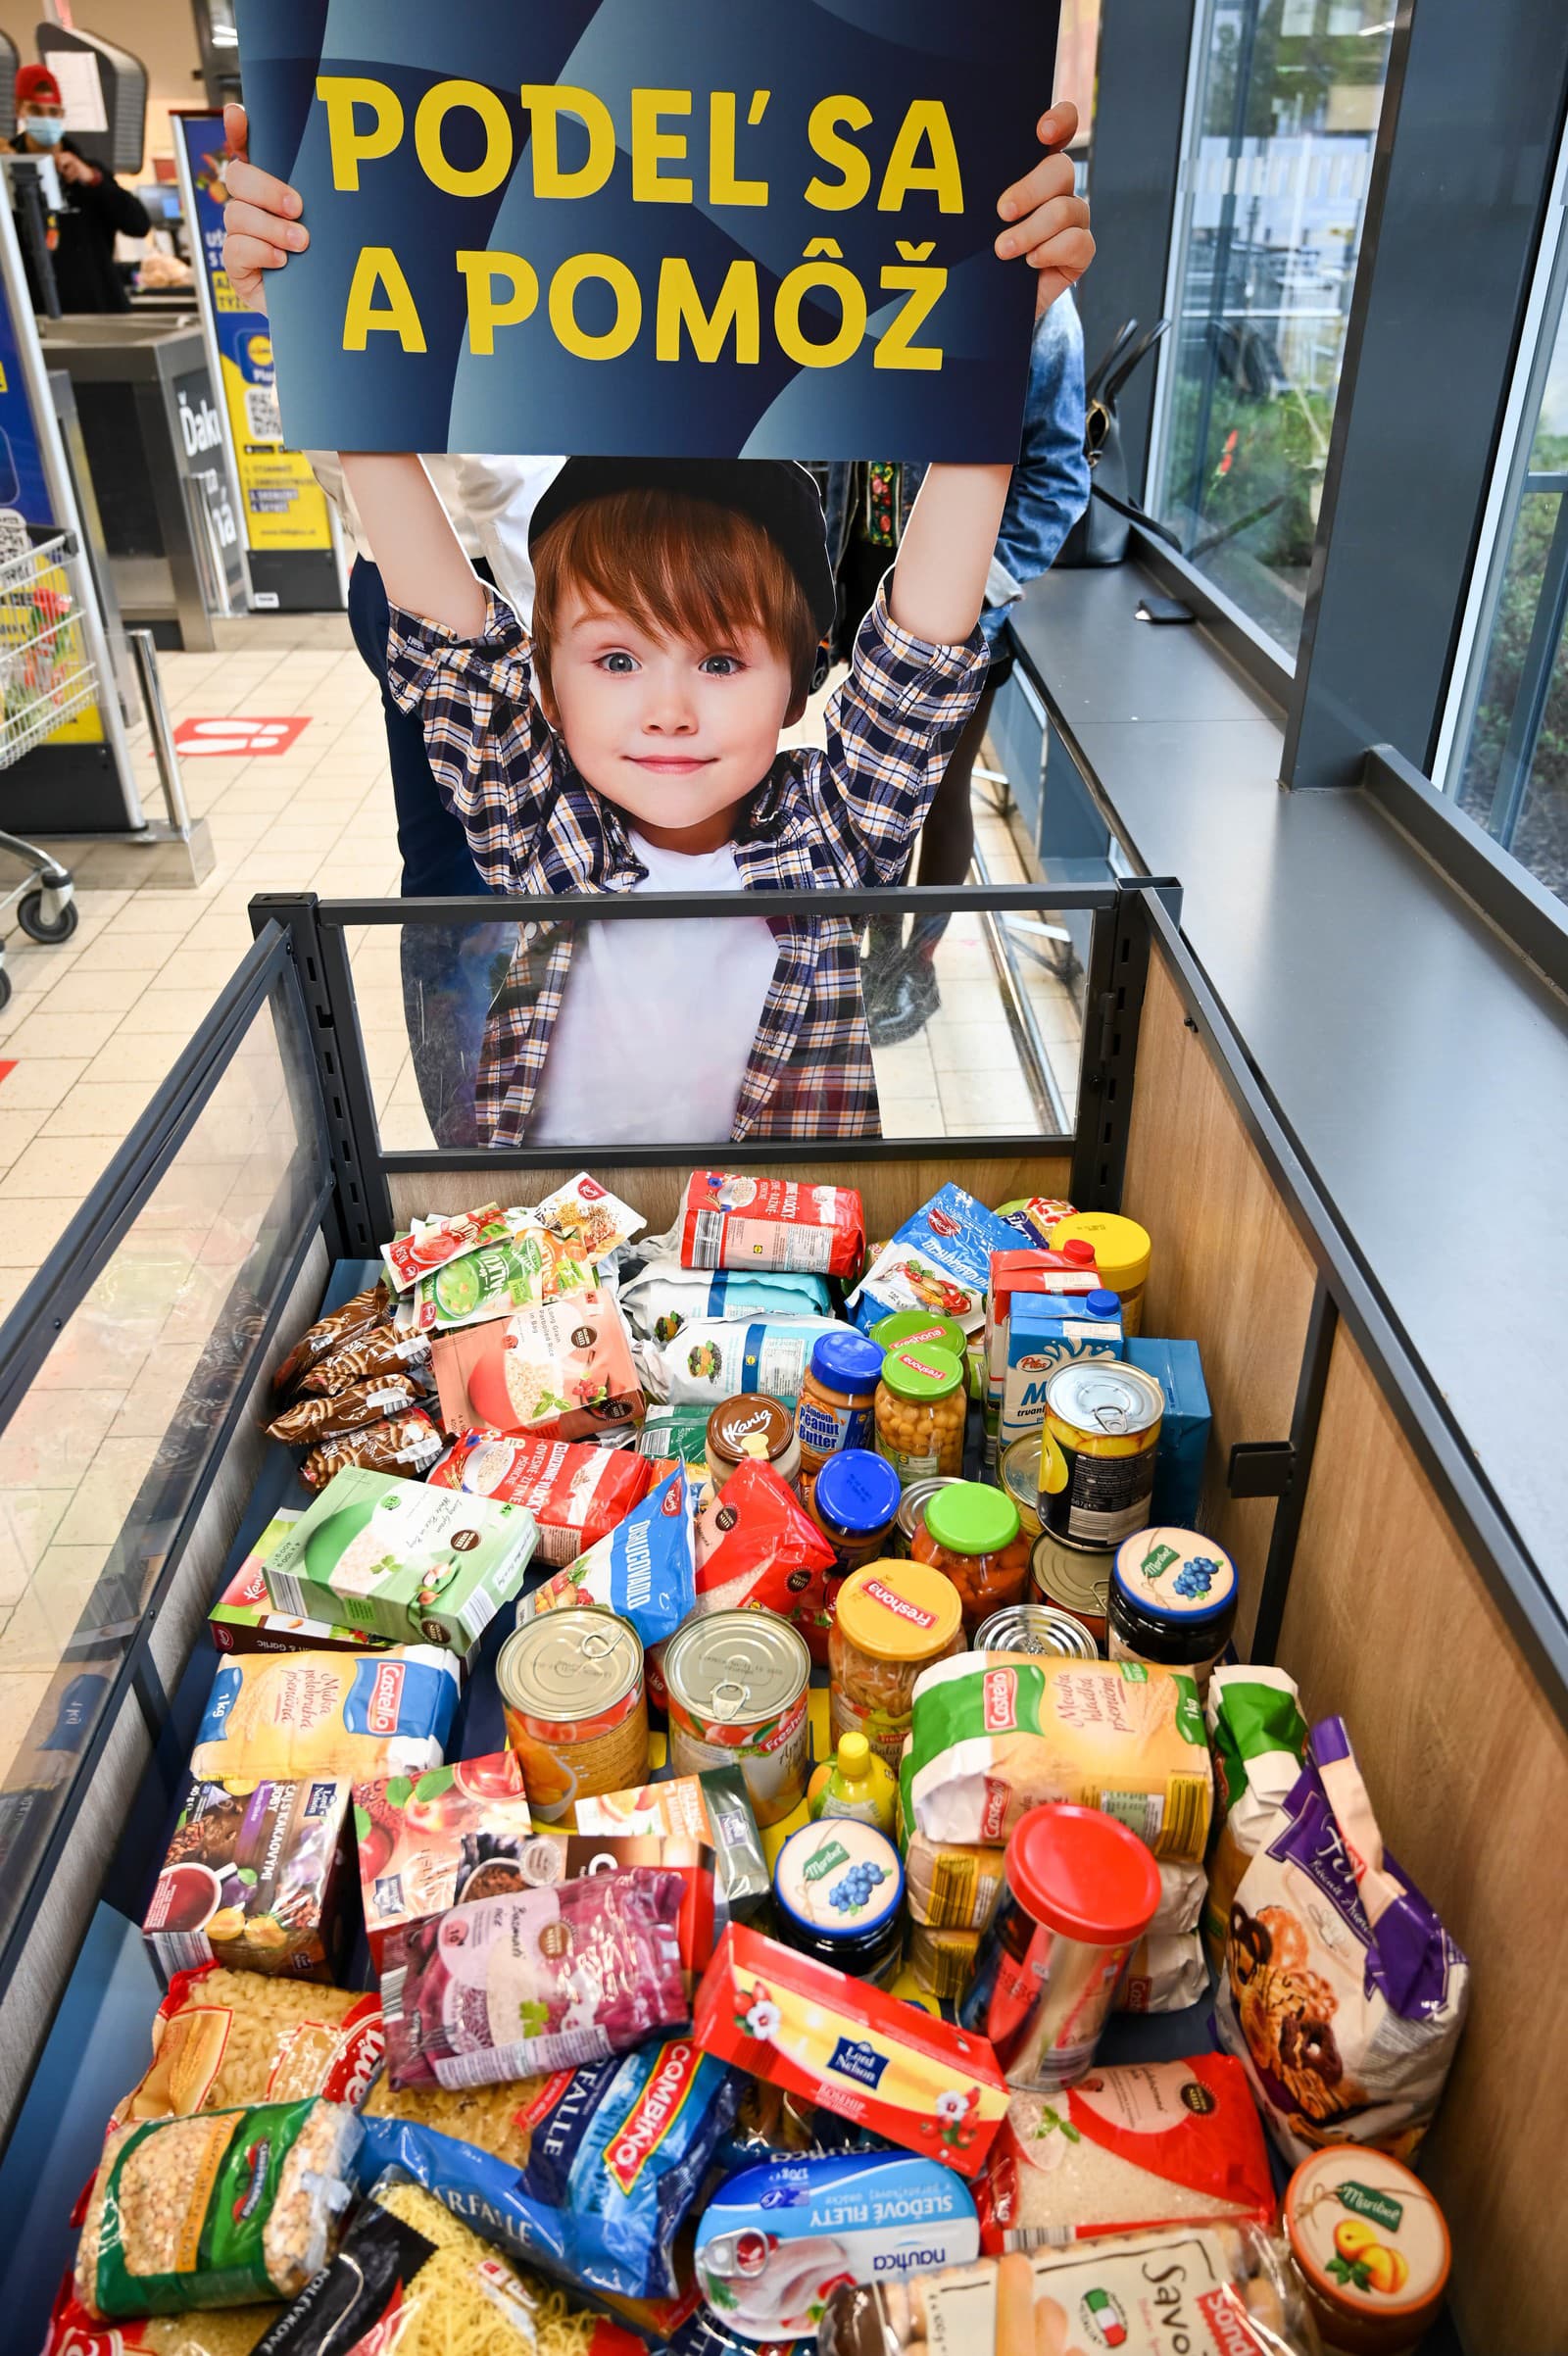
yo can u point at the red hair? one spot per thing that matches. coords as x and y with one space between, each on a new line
677 568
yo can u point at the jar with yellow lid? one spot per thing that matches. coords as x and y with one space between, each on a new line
894 1620
1122 1253
921 1412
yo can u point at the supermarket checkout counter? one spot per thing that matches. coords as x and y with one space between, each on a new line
155 444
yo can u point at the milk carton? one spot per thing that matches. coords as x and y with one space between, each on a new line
1044 1331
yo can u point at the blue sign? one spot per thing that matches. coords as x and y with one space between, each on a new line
651 227
23 487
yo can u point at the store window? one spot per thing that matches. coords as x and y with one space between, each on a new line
1282 118
1508 762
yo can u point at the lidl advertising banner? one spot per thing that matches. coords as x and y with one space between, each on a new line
651 227
284 508
24 489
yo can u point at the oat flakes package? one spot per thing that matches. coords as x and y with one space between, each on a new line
1342 1995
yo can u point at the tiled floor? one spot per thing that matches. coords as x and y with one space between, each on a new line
95 1024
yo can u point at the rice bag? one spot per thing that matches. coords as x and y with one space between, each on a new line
293 1715
511 1985
225 2039
939 1261
591 2172
214 2331
434 1243
709 1362
561 1370
644 1570
1342 1995
411 2278
576 1491
664 1298
356 1318
995 1735
215 2210
333 1416
1148 2144
730 1219
381 1349
1257 1735
757 1549
402 1444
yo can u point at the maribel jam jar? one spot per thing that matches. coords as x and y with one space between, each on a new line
893 1620
1173 1599
921 1412
971 1534
834 1411
839 1891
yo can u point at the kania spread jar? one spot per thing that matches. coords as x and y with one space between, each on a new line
970 1532
752 1425
839 1889
1173 1599
834 1409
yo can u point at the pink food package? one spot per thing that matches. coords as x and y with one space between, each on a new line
561 1370
544 1979
576 1493
731 1220
434 1242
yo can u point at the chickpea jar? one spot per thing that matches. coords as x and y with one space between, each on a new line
920 1409
973 1536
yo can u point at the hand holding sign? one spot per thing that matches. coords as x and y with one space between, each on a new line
669 227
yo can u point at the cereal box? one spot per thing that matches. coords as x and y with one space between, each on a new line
401 1560
256 1881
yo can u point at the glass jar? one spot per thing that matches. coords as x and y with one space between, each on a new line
1173 1599
908 1326
921 1410
853 1502
972 1535
835 1407
752 1425
894 1619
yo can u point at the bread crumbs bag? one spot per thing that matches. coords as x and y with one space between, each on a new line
1342 1995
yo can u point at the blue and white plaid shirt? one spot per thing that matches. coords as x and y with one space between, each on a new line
836 820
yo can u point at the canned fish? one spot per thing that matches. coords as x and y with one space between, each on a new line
1075 1580
1096 1450
571 1692
911 1507
1036 1628
736 1684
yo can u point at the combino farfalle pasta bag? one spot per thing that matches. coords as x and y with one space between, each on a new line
1342 1995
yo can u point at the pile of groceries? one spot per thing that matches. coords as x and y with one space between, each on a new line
683 1813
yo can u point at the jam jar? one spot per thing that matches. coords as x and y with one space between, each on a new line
972 1533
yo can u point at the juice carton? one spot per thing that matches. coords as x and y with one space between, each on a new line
1045 1331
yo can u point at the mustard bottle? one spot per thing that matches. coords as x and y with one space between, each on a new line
856 1783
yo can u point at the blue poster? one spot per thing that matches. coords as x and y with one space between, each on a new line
651 227
24 489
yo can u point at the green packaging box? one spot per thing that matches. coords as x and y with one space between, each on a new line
399 1560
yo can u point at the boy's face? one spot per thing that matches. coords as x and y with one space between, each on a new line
675 732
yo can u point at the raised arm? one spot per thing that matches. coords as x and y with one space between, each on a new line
421 558
939 580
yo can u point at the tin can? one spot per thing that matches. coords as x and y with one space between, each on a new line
1096 1450
1036 1628
1075 1580
736 1683
577 1711
910 1515
1020 1475
1078 1891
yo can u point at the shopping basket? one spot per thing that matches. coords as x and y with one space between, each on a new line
47 679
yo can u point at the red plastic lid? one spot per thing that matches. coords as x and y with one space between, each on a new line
1080 1872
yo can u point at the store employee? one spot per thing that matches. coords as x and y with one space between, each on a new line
81 230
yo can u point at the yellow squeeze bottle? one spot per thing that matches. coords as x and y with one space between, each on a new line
855 1783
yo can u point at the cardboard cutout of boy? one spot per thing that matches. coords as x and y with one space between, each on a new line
629 742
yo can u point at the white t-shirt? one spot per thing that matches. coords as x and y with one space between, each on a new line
655 1028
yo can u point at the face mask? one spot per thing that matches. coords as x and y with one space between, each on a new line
47 129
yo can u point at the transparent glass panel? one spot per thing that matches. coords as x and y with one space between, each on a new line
958 1022
1510 769
1280 140
102 1459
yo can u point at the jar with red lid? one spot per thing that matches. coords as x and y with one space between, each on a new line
971 1534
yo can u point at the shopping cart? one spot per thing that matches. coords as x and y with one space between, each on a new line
47 679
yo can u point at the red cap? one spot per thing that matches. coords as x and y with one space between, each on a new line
1080 1872
36 81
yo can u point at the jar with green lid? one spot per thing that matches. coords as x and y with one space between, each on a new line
906 1326
972 1535
920 1409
